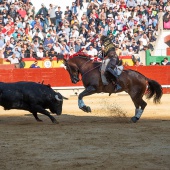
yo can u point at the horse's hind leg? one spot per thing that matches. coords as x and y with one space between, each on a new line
88 91
140 105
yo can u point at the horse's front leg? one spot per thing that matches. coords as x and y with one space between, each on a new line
88 91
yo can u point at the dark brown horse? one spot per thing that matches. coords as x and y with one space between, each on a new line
132 82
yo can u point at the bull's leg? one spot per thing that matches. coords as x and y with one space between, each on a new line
39 109
88 91
36 117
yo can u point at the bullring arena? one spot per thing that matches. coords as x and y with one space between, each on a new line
102 139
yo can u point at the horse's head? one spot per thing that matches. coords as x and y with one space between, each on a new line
73 70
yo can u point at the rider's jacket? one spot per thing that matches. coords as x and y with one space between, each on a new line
108 46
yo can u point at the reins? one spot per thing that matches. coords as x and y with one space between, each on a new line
89 71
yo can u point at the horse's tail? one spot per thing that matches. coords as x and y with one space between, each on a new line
154 90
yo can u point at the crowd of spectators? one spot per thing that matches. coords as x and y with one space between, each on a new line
53 32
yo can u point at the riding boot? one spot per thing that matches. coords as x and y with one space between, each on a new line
104 80
112 71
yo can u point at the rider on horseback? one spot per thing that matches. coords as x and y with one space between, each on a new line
109 54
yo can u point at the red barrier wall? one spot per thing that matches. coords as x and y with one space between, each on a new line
159 73
54 76
60 77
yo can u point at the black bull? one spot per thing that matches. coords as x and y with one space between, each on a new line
30 96
134 83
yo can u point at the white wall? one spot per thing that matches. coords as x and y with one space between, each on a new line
61 3
160 46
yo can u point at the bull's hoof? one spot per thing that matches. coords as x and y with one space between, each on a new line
86 109
55 121
134 119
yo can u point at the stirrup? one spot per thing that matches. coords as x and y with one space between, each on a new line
118 87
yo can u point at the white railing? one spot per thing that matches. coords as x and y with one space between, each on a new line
159 52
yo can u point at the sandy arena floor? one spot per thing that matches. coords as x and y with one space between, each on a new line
102 140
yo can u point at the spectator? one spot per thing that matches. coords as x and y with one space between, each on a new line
58 14
57 48
74 32
22 13
52 54
8 50
125 51
40 53
12 12
78 45
48 43
130 3
144 39
43 13
74 9
67 18
68 11
35 65
131 52
14 60
72 51
135 47
92 51
166 19
166 62
52 14
64 48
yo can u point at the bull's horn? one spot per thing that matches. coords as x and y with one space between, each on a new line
65 98
57 98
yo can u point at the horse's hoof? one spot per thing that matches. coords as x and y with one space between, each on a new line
86 109
83 108
134 119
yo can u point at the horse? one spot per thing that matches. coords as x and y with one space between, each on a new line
132 82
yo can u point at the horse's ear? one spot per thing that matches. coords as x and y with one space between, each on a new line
64 61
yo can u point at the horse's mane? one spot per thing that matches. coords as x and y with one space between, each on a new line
81 54
85 56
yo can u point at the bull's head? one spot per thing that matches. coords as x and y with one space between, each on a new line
73 71
56 105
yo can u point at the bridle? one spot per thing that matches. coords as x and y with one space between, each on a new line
83 65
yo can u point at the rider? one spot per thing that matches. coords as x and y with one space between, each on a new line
109 53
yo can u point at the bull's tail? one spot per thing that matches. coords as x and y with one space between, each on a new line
154 90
